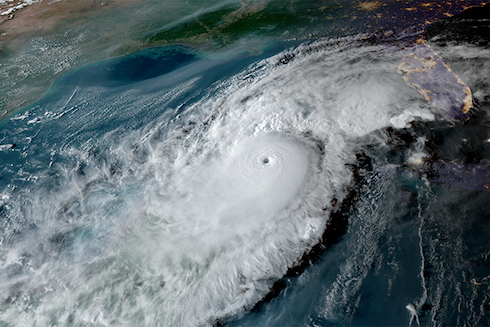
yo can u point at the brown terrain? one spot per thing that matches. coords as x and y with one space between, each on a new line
46 16
43 17
119 25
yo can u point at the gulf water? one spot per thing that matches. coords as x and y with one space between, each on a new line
166 188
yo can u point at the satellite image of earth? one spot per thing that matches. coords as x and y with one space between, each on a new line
244 163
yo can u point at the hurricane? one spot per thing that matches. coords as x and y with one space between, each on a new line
185 198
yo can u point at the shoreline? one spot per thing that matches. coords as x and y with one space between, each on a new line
45 19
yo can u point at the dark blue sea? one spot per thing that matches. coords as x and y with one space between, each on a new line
307 185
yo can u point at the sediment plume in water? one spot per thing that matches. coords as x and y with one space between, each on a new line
191 217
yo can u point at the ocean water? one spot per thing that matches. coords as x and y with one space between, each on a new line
308 185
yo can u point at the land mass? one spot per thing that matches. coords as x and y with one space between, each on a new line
41 40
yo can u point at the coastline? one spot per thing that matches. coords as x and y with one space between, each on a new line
93 31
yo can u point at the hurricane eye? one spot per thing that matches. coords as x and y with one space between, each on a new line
265 160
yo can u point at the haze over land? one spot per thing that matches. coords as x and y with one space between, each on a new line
244 163
41 40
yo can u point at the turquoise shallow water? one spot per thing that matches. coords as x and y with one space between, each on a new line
166 188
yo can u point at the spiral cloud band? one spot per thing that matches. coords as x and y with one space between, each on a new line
202 208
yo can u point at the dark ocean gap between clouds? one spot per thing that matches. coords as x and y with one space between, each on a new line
470 129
